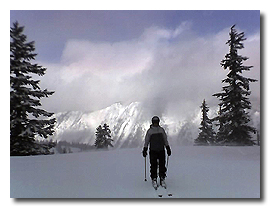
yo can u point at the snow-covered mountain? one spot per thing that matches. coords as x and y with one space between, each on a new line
128 125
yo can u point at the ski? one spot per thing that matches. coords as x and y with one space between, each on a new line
162 192
168 193
158 193
164 186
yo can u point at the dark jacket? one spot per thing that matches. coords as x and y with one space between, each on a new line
157 138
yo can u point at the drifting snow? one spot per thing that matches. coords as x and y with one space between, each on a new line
193 172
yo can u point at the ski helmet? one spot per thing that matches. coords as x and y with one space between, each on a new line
155 120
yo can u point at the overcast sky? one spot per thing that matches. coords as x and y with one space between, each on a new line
168 60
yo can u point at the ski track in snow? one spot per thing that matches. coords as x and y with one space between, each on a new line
193 172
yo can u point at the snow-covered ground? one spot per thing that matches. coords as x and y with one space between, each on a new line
193 172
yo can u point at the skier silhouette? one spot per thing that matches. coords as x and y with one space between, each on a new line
157 138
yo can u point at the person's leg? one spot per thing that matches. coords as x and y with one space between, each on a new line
162 167
153 164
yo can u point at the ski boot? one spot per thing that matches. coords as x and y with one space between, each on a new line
162 183
154 183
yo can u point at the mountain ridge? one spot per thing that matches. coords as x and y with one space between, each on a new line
128 125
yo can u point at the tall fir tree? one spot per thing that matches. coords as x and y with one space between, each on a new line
207 134
103 137
234 102
26 118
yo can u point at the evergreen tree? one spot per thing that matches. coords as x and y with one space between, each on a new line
207 134
234 103
219 118
25 95
103 137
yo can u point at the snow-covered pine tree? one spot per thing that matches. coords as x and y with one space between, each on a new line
103 137
99 137
207 134
26 118
234 103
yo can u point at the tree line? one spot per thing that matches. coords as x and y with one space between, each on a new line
233 118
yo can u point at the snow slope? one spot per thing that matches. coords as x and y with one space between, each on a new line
194 172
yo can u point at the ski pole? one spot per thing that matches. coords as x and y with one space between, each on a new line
145 169
167 162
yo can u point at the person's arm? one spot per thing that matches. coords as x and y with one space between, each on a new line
147 139
166 143
146 142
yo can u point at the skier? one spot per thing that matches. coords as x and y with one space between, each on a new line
157 138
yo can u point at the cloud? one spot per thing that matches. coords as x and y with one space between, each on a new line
169 70
104 58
